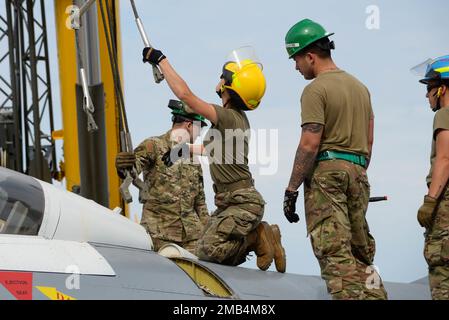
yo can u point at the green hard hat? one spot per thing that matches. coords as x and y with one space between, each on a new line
303 34
179 109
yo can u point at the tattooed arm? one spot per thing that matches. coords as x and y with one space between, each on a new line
306 154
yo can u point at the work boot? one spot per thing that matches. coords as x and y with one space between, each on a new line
260 241
280 259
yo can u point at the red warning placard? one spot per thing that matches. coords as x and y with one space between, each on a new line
19 284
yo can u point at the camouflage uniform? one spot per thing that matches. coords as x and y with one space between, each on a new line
436 248
238 213
436 251
175 211
337 191
336 199
240 207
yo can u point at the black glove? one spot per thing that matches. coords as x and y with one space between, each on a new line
181 151
152 55
290 206
124 161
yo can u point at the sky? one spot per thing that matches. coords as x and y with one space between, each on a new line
197 35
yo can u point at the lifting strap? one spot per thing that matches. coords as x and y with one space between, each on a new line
132 176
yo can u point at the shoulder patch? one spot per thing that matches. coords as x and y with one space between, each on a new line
149 144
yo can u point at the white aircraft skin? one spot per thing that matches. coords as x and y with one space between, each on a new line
59 246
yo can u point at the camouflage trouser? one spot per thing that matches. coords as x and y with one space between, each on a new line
238 213
436 251
336 200
188 245
162 234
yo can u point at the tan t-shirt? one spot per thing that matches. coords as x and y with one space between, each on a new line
228 157
440 122
342 104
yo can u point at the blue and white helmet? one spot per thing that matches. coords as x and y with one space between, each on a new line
437 69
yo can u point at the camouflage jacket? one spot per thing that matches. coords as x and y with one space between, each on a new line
176 207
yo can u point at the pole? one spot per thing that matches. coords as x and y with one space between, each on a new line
158 76
378 199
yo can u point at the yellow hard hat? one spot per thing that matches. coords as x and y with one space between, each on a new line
245 78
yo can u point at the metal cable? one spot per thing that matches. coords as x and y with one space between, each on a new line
112 51
125 141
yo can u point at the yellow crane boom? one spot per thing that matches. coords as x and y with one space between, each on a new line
68 79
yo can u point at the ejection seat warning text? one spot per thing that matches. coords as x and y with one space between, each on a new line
224 310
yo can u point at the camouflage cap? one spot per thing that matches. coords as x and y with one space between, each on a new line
179 109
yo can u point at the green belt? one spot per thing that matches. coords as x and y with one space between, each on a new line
338 155
231 187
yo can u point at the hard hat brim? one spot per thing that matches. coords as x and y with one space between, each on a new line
329 34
